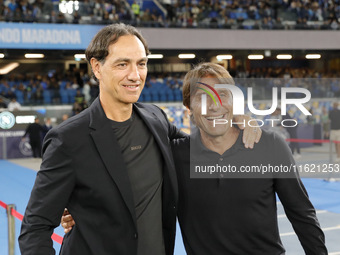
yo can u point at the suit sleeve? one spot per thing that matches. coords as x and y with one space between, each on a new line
174 132
26 131
53 186
296 203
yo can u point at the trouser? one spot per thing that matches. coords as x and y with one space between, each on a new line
36 148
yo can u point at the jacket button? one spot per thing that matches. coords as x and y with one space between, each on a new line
135 235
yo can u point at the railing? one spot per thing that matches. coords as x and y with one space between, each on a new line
12 213
321 141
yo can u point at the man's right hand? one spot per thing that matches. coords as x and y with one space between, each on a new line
67 221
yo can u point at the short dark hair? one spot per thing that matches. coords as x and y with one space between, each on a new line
99 46
200 71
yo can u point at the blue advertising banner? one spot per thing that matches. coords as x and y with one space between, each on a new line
46 36
15 147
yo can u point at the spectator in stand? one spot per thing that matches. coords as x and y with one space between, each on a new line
80 102
79 97
135 10
54 88
98 9
13 105
12 6
75 84
94 89
332 21
53 17
171 16
146 18
113 16
87 91
77 108
76 18
61 18
64 117
106 17
36 12
37 94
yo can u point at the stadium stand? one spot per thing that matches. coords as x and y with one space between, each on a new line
243 14
28 90
69 91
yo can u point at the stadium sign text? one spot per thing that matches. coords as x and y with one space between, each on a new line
238 100
38 36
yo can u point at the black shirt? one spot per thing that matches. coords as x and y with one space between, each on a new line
144 166
239 216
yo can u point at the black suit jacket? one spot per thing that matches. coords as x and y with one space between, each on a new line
83 169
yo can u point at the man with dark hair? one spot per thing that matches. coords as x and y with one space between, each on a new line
112 162
234 212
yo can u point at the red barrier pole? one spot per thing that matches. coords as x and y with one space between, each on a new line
14 213
11 229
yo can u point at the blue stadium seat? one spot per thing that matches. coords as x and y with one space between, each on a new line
178 94
146 94
28 96
11 83
20 96
147 98
155 97
71 94
62 84
170 95
47 97
64 96
163 95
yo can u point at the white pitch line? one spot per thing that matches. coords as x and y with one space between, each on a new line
323 229
284 215
334 253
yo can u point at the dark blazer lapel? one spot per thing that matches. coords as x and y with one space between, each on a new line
154 125
161 137
110 152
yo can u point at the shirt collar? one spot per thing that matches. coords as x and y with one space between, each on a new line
198 148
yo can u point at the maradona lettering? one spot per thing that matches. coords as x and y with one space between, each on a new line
8 35
50 36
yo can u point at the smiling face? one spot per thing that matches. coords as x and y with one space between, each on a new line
215 111
122 75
